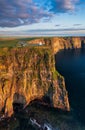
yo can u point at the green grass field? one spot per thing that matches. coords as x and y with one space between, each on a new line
13 42
8 43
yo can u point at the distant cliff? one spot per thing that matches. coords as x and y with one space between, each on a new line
27 74
65 43
58 43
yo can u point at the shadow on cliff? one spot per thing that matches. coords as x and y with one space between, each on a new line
46 100
19 101
82 45
45 103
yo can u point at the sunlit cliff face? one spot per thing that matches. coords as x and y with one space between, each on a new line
27 74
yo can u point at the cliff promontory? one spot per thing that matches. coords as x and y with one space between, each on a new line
27 74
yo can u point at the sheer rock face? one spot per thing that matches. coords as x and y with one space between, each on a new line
27 74
65 43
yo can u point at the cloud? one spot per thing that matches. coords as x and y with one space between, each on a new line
58 6
20 12
49 32
23 12
77 24
57 25
65 5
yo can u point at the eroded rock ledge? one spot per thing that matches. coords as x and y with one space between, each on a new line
27 74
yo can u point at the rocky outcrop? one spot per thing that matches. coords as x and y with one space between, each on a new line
27 74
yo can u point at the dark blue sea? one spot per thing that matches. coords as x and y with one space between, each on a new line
71 64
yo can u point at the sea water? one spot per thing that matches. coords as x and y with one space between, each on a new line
71 64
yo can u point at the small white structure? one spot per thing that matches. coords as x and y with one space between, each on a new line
40 44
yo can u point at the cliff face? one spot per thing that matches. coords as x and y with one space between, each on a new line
27 74
65 43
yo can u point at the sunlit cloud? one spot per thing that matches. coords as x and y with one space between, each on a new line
49 32
15 13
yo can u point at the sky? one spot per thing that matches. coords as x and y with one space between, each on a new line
42 18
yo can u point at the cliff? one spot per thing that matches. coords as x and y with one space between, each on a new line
27 74
65 43
59 43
